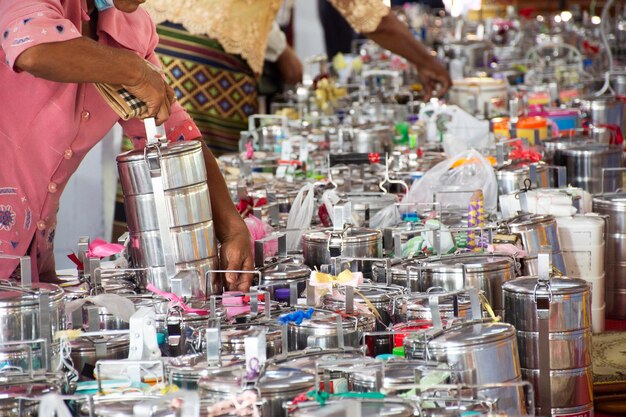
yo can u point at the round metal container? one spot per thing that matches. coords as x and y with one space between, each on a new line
381 297
14 385
485 272
552 146
485 353
281 275
569 311
321 331
614 207
307 360
354 242
179 204
87 351
122 405
368 139
186 370
20 315
537 231
585 164
417 309
397 373
182 165
569 337
202 267
369 408
511 177
571 388
233 340
403 273
276 386
190 244
604 110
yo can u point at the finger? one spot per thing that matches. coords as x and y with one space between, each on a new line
163 114
171 96
428 89
446 83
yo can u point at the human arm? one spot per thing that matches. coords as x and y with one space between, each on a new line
278 51
378 23
39 39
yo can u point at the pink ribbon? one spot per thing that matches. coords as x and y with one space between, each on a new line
176 301
249 151
102 249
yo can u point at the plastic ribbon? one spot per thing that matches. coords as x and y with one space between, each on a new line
322 396
296 317
249 151
99 248
176 301
120 307
324 283
237 304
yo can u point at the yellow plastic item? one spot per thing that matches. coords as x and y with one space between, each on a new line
526 127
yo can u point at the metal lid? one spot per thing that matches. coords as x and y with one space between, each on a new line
469 334
588 149
472 263
16 296
526 285
352 235
168 149
121 405
323 320
520 167
236 335
371 292
610 200
274 380
88 344
18 384
369 408
307 359
373 201
526 219
286 271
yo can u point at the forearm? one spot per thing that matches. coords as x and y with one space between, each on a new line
395 36
80 60
226 218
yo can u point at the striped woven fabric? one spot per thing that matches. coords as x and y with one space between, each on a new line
217 89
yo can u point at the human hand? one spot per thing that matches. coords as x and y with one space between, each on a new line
290 66
151 87
236 254
432 73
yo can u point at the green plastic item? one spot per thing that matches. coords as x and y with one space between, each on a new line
398 351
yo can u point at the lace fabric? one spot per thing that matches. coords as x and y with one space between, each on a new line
242 27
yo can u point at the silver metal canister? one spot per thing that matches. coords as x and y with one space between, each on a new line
484 353
604 110
320 246
553 322
14 386
537 231
585 164
276 385
486 272
86 351
614 207
511 178
171 175
329 330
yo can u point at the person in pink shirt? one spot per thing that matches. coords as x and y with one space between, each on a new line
51 53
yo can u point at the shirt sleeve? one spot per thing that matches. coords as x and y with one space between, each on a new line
26 23
180 126
363 15
276 43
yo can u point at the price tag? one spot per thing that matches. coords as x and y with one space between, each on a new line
255 348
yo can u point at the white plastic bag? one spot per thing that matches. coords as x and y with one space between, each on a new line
330 198
464 174
120 307
387 217
52 405
300 216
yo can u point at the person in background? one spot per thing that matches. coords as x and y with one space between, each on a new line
51 54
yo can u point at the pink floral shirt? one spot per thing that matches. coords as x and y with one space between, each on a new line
46 128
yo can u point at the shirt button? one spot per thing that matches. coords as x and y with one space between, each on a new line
52 187
85 115
41 225
68 153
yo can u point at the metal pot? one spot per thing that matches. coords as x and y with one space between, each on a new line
397 373
185 371
319 246
369 408
486 272
276 386
511 177
142 209
122 405
604 110
472 348
233 340
307 359
278 278
567 335
322 330
14 385
369 139
366 205
614 207
186 212
585 164
404 273
537 231
86 351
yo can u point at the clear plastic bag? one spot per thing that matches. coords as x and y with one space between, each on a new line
387 217
300 216
458 177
